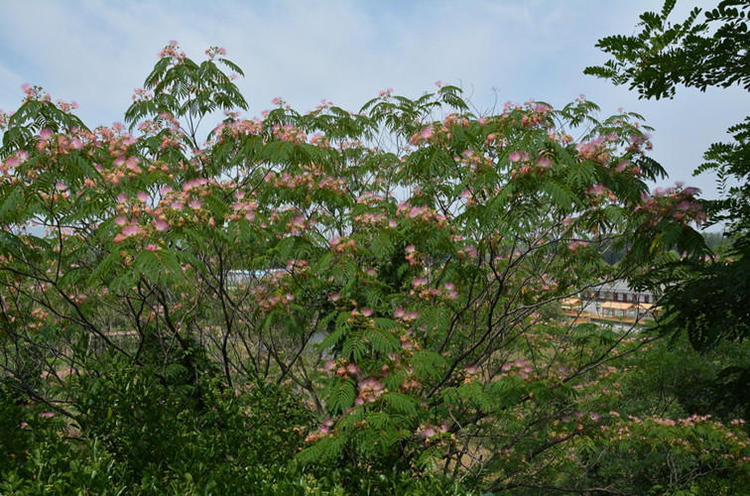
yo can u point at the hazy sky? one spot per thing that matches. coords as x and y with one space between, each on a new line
96 53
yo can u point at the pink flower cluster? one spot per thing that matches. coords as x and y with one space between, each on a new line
428 431
341 245
371 219
404 316
521 367
290 133
639 141
268 302
599 149
35 93
370 390
422 291
243 208
422 136
425 214
310 179
677 202
142 95
172 51
238 128
213 51
468 252
299 224
128 229
66 106
342 368
323 430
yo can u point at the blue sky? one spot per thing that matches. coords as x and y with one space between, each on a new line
346 51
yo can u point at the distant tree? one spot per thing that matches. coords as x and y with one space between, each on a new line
716 241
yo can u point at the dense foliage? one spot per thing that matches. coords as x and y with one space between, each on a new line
713 302
332 302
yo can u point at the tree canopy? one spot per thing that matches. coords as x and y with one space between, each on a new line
378 291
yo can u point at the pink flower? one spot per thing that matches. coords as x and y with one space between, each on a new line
47 414
544 162
121 221
515 156
352 369
60 186
622 165
427 432
161 224
131 230
597 189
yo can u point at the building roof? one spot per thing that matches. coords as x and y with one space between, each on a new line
617 305
618 286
